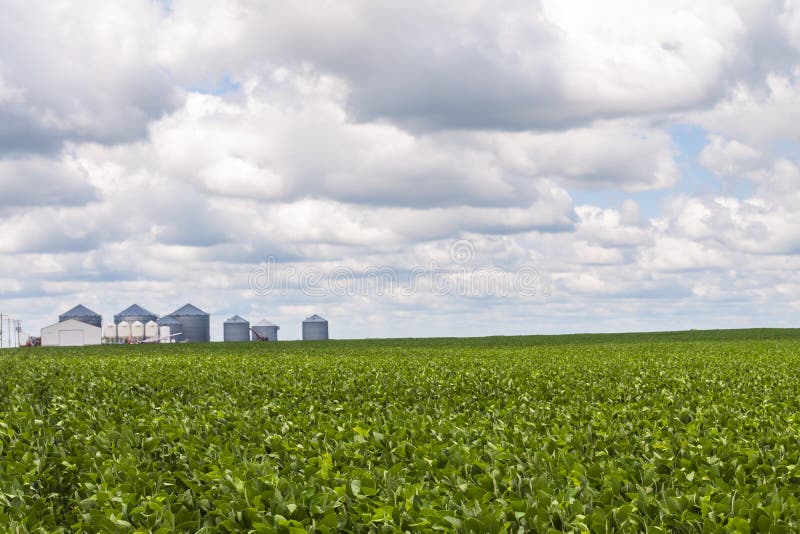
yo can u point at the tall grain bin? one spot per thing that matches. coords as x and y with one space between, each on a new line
110 332
137 330
236 329
265 330
151 330
135 313
195 324
83 314
124 331
315 328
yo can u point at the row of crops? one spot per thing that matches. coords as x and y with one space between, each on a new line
484 435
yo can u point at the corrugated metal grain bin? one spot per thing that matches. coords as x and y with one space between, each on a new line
195 324
265 331
315 328
236 329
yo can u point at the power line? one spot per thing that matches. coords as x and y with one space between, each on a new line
12 328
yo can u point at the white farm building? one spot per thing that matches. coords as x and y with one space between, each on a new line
70 333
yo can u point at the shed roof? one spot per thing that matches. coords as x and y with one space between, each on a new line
71 323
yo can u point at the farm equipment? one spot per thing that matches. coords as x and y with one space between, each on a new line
259 337
161 339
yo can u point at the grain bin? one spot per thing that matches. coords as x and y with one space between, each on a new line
265 331
110 332
135 313
236 329
137 330
151 330
124 331
164 335
315 328
83 314
195 324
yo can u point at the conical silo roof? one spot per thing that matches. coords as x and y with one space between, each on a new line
188 309
83 314
135 313
79 311
168 320
135 309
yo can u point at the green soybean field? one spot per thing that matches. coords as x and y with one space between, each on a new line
673 432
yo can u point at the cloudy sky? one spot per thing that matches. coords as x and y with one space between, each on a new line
638 161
